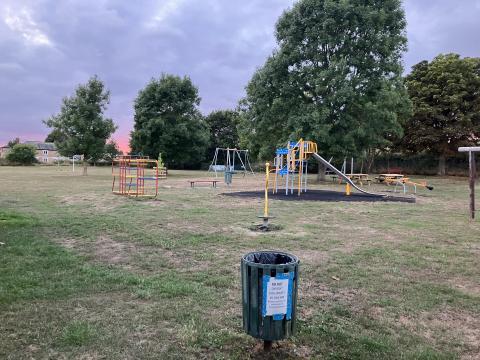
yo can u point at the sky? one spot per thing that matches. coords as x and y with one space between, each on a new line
48 47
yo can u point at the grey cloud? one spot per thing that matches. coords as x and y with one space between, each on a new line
217 43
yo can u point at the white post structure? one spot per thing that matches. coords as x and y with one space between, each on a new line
75 157
472 173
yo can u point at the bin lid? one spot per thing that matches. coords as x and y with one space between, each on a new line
270 258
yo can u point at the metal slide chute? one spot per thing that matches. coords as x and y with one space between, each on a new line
342 175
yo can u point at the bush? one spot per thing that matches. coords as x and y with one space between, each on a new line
22 154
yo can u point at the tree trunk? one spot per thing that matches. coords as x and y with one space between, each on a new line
321 173
370 160
441 165
85 166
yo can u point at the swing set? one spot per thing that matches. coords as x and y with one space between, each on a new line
234 161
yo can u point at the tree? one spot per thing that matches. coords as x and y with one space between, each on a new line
335 79
80 127
111 150
55 136
22 154
167 121
13 142
446 99
222 125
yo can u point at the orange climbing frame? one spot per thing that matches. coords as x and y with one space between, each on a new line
136 176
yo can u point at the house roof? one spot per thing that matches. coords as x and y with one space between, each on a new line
42 145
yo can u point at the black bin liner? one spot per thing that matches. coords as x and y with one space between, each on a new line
270 258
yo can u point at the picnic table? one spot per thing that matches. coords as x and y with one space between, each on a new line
357 178
213 182
360 178
390 178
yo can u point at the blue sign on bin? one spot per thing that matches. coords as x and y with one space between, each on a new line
277 296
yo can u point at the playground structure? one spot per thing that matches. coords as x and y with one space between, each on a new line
229 157
136 176
291 164
403 181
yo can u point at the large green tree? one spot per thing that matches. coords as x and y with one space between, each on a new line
80 127
167 121
222 125
55 136
446 98
22 154
111 150
335 79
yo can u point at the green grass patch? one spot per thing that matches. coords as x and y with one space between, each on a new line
78 333
85 274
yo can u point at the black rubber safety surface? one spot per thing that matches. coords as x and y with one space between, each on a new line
322 195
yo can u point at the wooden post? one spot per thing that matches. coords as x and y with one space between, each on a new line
473 175
267 345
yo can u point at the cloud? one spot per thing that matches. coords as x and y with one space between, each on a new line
48 47
441 26
165 10
21 22
10 68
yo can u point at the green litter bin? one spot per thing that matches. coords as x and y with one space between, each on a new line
269 293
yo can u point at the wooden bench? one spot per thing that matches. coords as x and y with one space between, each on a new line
213 182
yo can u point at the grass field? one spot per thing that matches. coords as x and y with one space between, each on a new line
86 274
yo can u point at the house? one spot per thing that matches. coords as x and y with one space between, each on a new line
46 152
4 151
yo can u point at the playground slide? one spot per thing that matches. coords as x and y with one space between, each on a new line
342 175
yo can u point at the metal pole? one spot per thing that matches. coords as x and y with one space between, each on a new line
215 162
267 172
300 168
288 169
277 167
239 152
156 180
293 158
306 175
473 175
351 167
228 160
248 161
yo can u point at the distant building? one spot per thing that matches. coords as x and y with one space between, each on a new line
46 152
4 151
